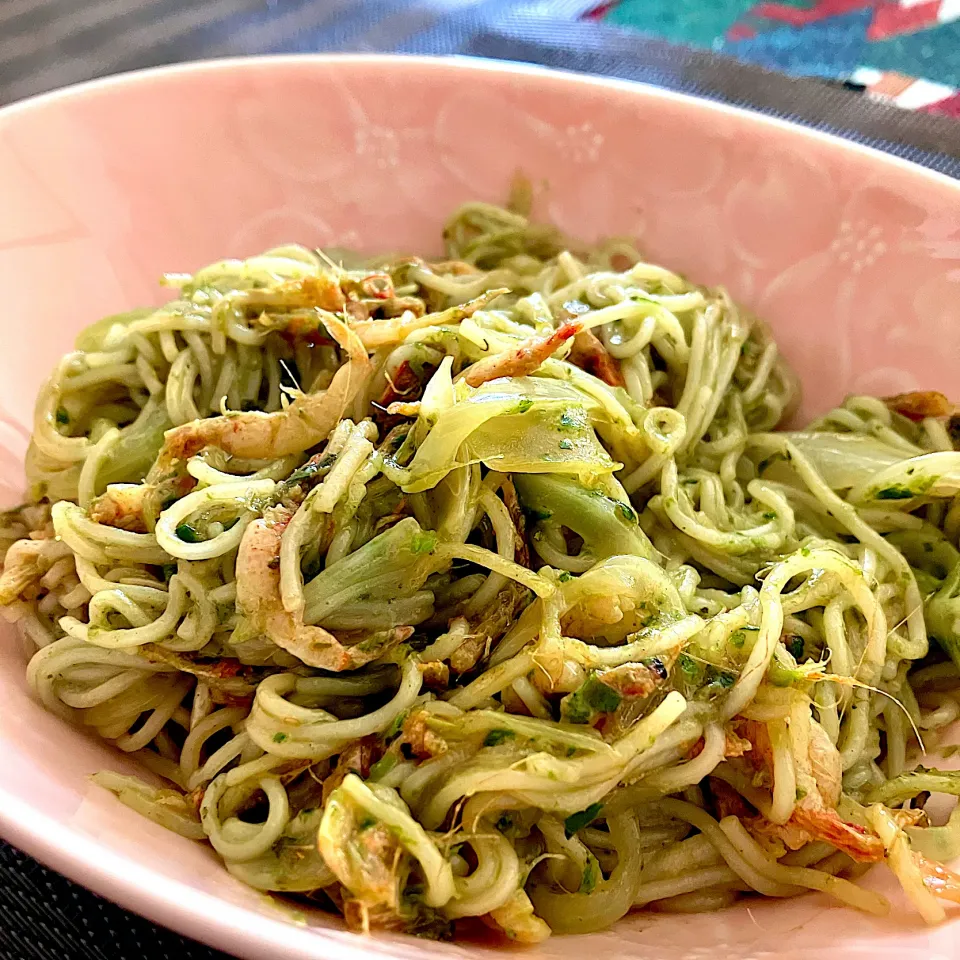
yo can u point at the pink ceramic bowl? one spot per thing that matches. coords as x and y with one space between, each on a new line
853 256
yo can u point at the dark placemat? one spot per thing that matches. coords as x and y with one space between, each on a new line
44 916
47 43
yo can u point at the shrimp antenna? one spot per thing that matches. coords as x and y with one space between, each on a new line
296 388
328 261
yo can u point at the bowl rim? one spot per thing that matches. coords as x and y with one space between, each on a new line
462 62
134 885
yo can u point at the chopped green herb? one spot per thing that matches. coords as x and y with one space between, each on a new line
566 444
310 469
366 823
591 874
188 533
302 473
627 512
769 515
600 697
896 492
63 418
795 646
577 821
383 766
691 670
738 639
397 725
279 737
718 677
524 405
565 576
495 737
589 699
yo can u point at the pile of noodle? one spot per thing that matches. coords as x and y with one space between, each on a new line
488 588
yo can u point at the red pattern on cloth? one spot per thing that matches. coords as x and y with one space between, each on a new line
891 19
949 107
797 17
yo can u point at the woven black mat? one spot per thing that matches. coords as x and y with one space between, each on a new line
43 916
48 43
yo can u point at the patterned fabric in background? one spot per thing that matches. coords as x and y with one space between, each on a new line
905 51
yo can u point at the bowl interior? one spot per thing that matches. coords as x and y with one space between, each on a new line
852 257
